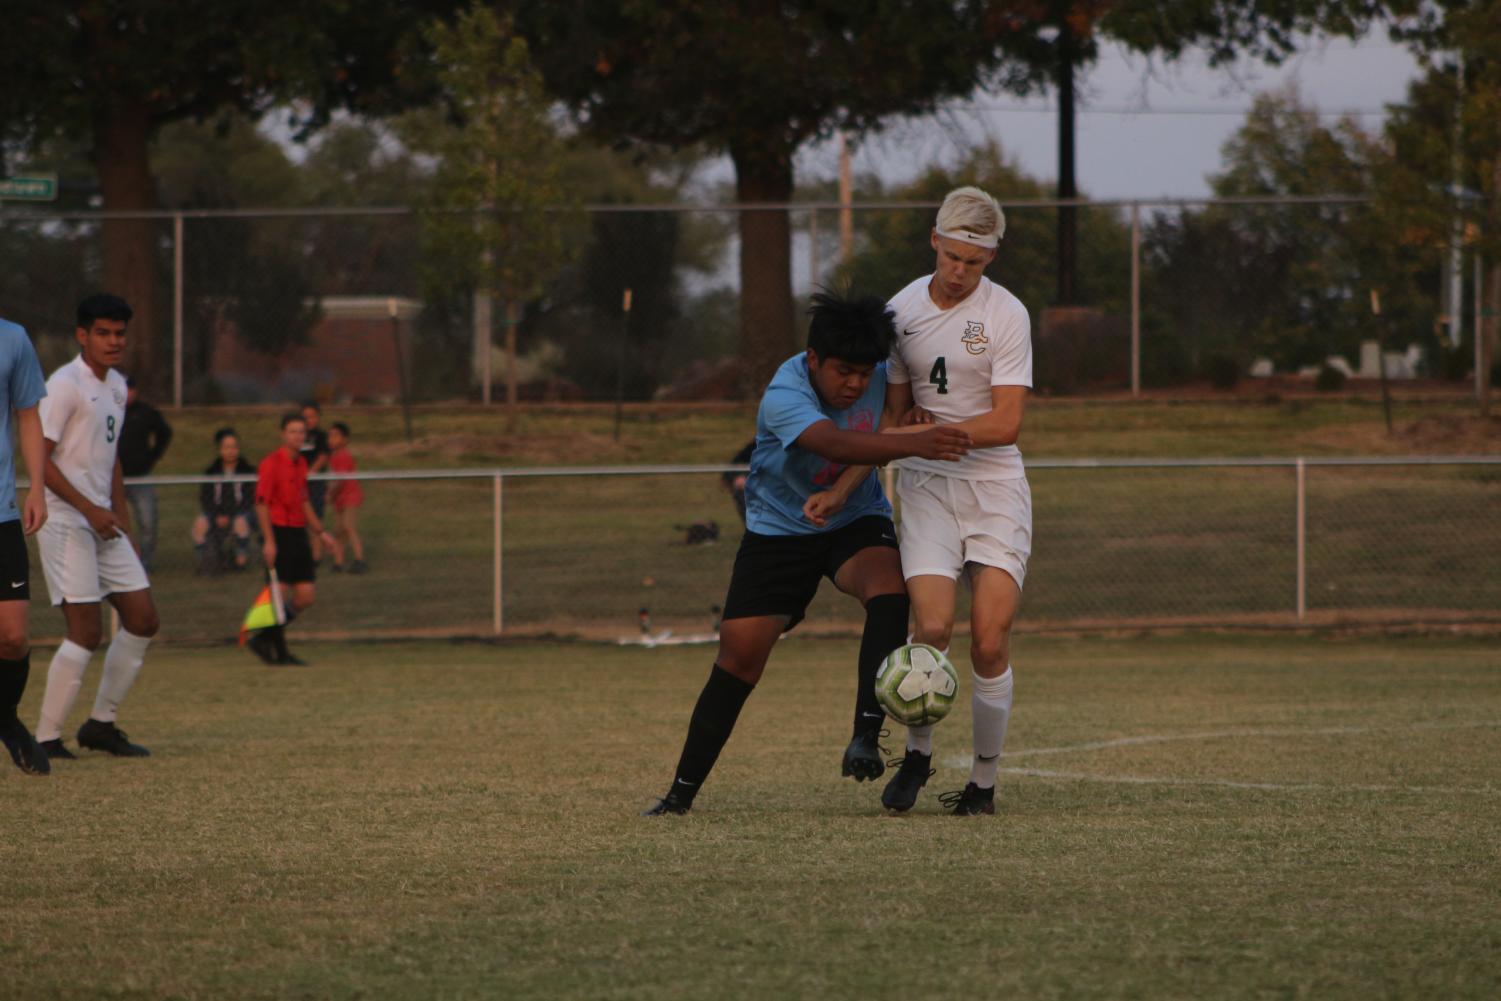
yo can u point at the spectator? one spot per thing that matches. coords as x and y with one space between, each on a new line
347 497
144 437
225 508
735 482
315 454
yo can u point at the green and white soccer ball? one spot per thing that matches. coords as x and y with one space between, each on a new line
916 685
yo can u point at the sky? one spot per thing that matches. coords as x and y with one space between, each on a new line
1145 129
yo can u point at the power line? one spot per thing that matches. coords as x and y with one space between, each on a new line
1126 109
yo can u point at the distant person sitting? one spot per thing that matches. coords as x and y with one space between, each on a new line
144 437
347 498
225 509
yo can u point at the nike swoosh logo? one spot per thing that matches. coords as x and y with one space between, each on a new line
684 782
18 583
93 399
908 333
874 715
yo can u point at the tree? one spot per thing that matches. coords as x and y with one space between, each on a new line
756 80
499 155
113 72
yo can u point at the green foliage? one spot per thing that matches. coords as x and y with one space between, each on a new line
1222 370
893 247
490 223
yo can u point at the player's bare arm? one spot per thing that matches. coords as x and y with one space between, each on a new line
101 519
871 448
117 499
1003 424
34 453
315 523
263 518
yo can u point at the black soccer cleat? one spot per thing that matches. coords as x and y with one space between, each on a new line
23 748
912 773
670 805
862 758
97 735
972 802
56 750
263 646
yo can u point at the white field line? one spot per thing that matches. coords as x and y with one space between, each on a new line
963 761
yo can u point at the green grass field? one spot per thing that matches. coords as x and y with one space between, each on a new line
1180 816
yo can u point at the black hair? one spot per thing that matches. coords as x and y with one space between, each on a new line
310 405
223 433
103 306
861 330
288 418
340 427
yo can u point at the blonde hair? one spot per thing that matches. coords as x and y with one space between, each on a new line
971 215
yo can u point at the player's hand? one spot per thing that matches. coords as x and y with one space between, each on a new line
917 415
34 513
943 442
268 553
822 506
103 521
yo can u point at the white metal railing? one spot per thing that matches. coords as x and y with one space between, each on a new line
1297 465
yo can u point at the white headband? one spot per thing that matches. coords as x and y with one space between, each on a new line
990 241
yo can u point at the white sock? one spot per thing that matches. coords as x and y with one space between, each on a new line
122 662
64 678
990 705
920 738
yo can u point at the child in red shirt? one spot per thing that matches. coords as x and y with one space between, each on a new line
347 497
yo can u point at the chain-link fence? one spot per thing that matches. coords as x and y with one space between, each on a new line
645 553
369 304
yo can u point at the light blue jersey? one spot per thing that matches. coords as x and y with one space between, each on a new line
21 381
783 476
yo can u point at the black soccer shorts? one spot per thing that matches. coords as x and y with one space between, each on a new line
780 574
294 555
15 563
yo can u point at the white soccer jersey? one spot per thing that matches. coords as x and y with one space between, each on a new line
83 415
952 357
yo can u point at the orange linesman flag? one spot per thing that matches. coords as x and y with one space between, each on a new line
262 615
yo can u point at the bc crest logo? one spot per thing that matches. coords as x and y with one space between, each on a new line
975 341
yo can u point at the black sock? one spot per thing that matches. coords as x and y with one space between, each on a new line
885 630
13 675
713 718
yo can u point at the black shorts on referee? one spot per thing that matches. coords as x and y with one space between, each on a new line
294 555
780 574
15 563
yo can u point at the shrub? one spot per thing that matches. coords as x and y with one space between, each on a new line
1222 370
1329 380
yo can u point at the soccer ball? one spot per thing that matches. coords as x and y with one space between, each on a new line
916 685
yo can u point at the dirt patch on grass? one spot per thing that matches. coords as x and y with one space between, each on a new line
1432 434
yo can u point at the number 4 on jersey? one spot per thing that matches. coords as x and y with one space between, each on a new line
940 376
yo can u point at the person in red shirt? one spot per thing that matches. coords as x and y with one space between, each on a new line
285 515
347 497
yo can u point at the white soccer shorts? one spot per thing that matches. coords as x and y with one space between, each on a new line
948 522
81 568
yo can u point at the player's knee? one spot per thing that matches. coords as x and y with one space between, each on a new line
13 644
989 655
143 624
87 637
745 670
932 630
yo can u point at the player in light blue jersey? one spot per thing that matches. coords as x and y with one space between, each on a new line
22 388
818 415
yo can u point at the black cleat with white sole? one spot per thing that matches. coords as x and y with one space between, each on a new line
971 802
912 773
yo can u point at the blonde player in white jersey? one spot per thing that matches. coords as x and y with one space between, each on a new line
963 357
87 554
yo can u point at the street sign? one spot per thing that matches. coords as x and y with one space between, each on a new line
29 188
